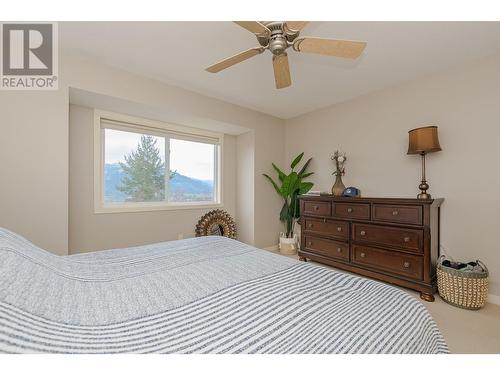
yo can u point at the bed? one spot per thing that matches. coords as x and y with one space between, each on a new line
199 295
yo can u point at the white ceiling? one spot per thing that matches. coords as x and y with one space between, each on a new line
178 52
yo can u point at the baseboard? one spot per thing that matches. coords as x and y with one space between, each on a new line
494 299
272 248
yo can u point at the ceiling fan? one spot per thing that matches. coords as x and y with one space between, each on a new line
277 37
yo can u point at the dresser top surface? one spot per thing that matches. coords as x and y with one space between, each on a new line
435 201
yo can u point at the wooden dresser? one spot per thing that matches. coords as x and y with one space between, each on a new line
395 240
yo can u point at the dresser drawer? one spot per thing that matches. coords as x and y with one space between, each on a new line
352 210
328 248
332 228
317 208
389 261
407 239
397 214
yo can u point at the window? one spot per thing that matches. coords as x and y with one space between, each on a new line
145 165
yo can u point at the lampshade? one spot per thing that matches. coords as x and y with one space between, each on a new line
423 140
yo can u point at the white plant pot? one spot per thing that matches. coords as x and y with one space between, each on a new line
288 246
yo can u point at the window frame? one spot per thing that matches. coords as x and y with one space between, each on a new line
110 120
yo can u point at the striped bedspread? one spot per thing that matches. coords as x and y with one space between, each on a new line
200 295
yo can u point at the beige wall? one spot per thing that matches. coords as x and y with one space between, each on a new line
268 131
34 188
89 231
372 129
34 166
34 143
245 199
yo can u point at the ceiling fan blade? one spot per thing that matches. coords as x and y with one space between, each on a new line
281 71
230 61
296 25
253 26
330 47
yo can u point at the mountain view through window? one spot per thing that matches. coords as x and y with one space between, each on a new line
135 169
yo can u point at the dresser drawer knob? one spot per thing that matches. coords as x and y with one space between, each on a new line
339 249
310 225
309 243
362 255
406 239
406 265
395 213
362 233
349 209
339 229
316 207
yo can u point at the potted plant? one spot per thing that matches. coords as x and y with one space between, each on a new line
290 186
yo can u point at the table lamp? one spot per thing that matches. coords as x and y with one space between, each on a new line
422 141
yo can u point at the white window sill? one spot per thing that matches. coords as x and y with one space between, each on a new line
109 209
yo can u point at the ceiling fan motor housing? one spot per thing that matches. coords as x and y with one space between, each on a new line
278 40
277 44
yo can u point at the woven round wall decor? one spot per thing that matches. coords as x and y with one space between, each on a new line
216 223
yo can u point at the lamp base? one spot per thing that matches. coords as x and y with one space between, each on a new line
423 190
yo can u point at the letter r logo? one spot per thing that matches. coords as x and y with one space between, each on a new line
27 49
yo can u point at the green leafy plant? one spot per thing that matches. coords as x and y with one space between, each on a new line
291 186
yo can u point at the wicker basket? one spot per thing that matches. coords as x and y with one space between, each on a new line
467 290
